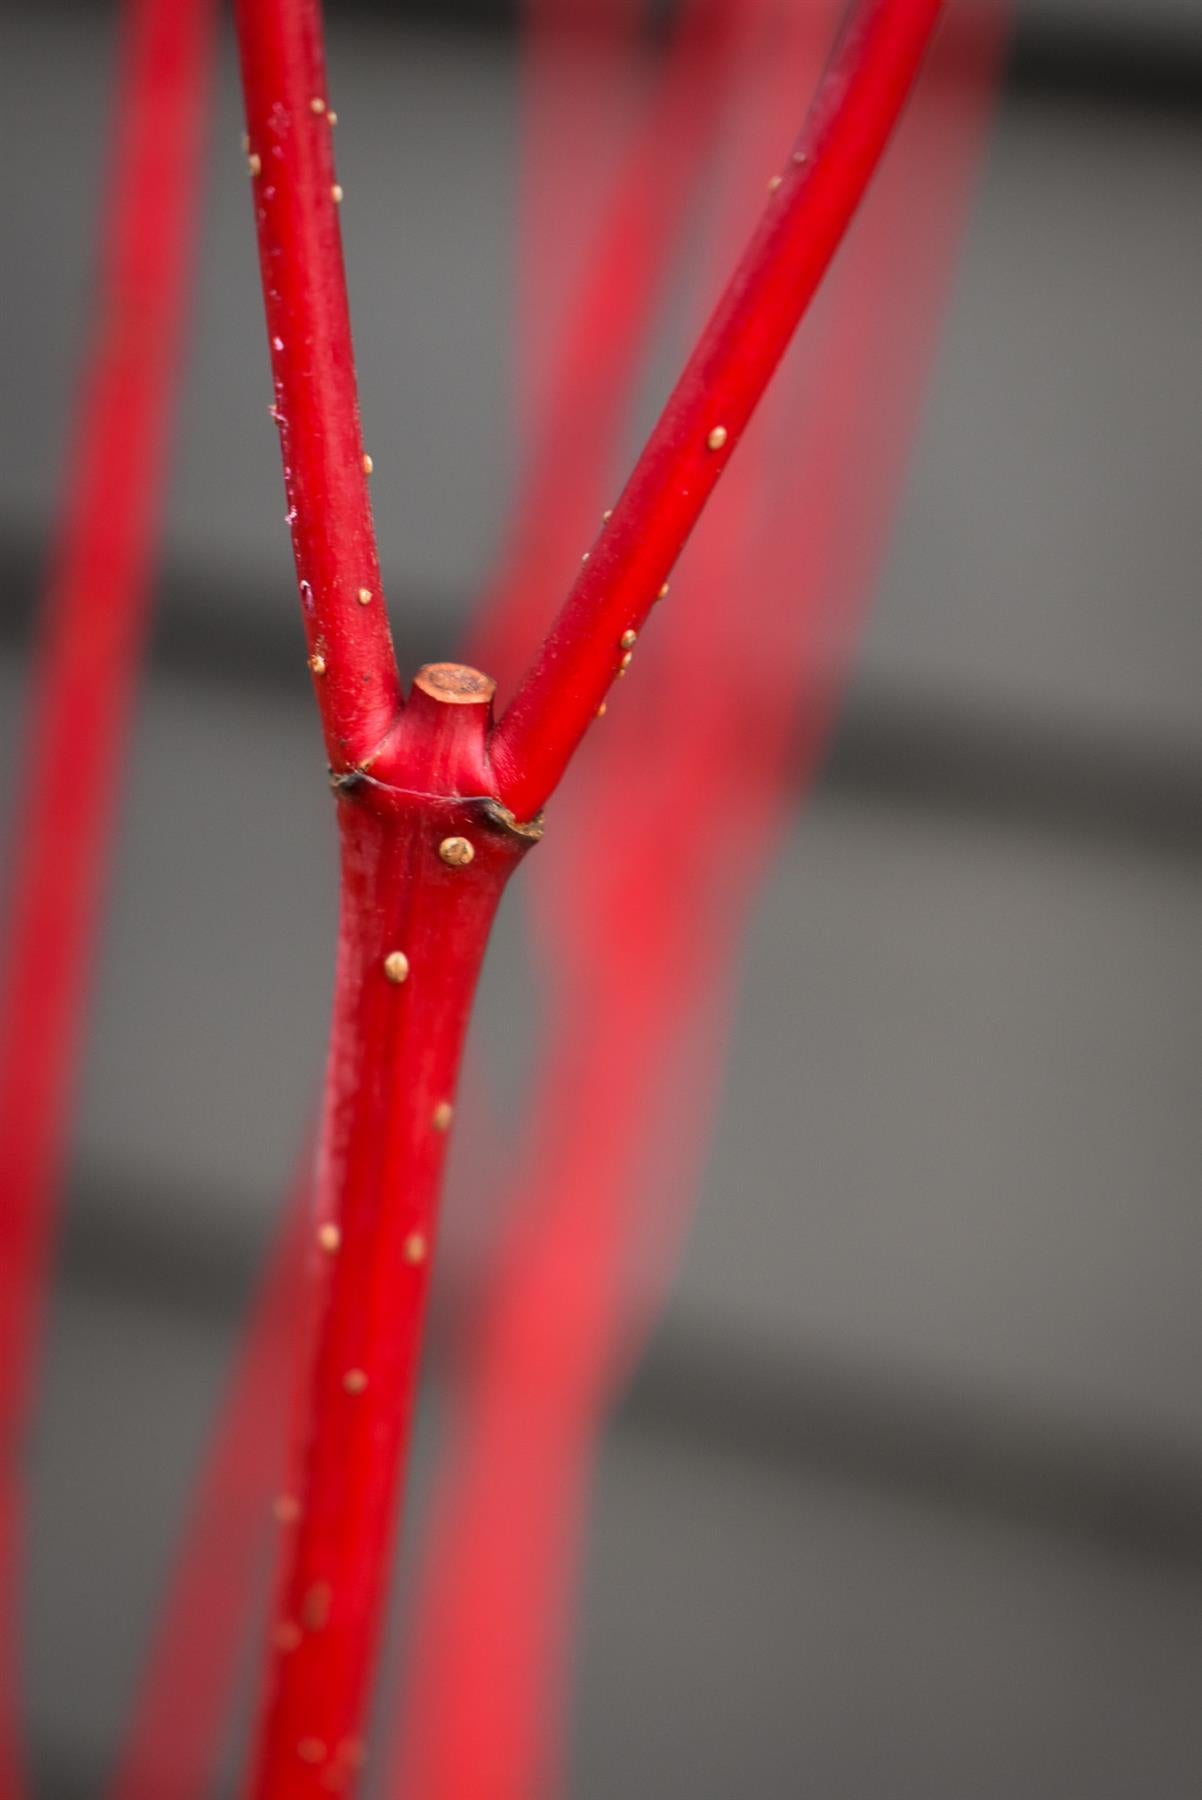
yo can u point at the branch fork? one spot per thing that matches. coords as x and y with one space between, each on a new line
426 855
437 806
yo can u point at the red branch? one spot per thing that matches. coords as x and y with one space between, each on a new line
856 108
174 1736
426 850
426 844
290 125
91 639
424 862
490 1637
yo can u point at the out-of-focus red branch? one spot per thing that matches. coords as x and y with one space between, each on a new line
483 1710
594 359
290 125
90 642
856 108
175 1733
581 77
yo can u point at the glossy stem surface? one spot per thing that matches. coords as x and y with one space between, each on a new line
808 211
290 122
425 857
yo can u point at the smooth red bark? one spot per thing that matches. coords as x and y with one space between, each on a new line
91 635
425 853
425 856
857 106
290 140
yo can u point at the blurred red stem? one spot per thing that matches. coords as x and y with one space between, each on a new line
174 1736
483 1706
90 644
595 353
579 71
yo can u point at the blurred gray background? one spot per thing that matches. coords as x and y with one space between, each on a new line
907 1499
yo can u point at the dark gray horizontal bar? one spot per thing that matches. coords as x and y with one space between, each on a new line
806 1415
1137 61
802 1415
1032 775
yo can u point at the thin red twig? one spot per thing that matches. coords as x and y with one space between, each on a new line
91 639
856 108
175 1732
290 123
484 1701
426 850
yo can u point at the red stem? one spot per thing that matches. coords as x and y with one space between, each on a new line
183 1698
487 1680
596 354
174 1736
91 640
426 850
857 106
289 126
425 857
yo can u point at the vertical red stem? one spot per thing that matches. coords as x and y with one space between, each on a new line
425 856
84 680
175 1733
416 909
290 136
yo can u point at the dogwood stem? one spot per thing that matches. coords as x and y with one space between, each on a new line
436 806
810 206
